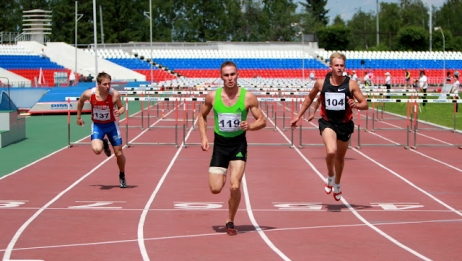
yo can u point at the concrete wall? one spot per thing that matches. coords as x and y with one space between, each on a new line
14 79
13 128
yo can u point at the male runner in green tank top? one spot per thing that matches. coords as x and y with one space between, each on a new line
230 106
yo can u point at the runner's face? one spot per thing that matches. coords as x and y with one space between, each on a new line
229 76
105 85
337 66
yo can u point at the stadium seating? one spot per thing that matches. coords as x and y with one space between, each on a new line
23 62
131 62
435 64
167 64
251 63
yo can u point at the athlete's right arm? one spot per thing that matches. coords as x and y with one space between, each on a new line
205 110
316 106
307 102
84 97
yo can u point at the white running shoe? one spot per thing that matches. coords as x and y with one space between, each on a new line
337 193
328 185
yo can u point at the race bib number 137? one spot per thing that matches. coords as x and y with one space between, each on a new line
101 115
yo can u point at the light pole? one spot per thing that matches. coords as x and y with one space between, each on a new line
377 18
95 37
150 35
300 32
77 18
438 28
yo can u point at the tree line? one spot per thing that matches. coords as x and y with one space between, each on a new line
402 26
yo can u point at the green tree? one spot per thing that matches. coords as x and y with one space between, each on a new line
389 23
363 28
206 20
280 13
314 15
414 13
26 5
338 21
63 21
412 38
334 37
254 25
448 16
317 9
10 17
449 43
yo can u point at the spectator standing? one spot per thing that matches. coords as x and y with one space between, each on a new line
42 54
407 78
388 82
448 77
71 79
455 89
423 84
354 76
312 76
367 80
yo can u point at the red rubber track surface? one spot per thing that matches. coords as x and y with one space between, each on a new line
398 204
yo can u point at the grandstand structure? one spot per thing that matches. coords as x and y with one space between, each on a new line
24 64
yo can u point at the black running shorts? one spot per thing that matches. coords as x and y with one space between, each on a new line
343 130
228 149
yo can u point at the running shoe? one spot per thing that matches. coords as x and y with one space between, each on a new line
230 230
328 185
106 148
337 193
123 182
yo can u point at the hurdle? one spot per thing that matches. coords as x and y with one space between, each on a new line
152 126
69 142
264 104
442 144
411 121
127 99
411 107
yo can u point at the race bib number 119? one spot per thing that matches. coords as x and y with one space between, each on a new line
229 122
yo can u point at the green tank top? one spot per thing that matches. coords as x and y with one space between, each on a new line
228 119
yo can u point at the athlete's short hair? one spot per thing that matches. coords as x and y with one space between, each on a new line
227 63
101 76
337 55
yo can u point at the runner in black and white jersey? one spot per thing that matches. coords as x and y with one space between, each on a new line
339 95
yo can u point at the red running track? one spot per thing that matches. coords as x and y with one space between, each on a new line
398 204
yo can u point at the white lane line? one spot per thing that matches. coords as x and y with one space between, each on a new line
10 247
373 227
422 154
141 239
51 154
221 234
226 210
261 233
410 183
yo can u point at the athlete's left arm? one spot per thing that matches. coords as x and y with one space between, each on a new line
361 103
118 101
251 102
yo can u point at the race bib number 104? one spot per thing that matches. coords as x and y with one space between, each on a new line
335 101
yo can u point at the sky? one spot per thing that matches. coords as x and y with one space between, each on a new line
346 8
